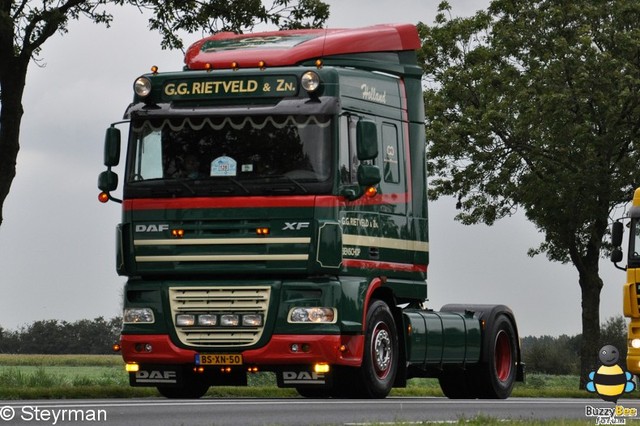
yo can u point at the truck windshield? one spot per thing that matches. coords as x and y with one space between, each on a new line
634 242
246 155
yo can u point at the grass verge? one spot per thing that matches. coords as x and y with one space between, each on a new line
103 376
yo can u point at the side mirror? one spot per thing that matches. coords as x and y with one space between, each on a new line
617 230
369 175
616 255
112 147
366 140
107 181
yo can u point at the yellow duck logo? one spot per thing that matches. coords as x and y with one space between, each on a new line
610 380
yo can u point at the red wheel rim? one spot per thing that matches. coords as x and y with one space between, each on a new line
503 356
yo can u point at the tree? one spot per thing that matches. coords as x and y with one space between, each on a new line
535 105
25 25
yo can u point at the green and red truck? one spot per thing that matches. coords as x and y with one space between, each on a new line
274 218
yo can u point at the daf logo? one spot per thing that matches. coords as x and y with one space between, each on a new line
154 374
152 228
295 226
303 377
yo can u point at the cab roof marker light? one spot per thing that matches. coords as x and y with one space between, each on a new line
154 69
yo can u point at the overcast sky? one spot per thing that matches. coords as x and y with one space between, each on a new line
57 248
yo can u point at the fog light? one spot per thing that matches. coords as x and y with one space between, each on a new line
207 320
229 320
132 367
295 347
252 320
321 368
185 320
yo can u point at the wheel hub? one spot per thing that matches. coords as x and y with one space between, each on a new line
382 350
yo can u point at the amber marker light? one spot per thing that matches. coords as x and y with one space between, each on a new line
177 233
103 197
154 69
116 347
262 65
319 63
262 231
208 66
234 66
371 192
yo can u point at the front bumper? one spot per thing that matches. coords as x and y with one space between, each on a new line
330 349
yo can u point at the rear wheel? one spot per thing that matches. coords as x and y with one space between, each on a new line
497 376
455 384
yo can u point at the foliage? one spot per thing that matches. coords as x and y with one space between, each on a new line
535 105
26 25
560 355
551 355
60 337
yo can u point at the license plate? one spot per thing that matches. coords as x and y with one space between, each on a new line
218 359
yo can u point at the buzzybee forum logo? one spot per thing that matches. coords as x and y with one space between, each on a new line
610 381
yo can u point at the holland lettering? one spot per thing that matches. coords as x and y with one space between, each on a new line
370 93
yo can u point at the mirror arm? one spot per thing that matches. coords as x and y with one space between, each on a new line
619 267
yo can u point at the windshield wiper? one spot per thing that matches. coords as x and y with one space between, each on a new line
293 181
183 182
231 179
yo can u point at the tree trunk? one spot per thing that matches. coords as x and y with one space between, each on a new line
590 285
12 83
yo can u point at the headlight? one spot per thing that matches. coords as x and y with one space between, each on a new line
313 315
138 316
142 86
310 81
635 343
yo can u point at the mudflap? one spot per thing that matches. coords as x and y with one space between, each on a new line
157 375
178 375
303 378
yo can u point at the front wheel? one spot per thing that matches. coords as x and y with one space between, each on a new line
380 360
194 387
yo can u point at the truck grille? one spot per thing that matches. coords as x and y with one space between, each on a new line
218 301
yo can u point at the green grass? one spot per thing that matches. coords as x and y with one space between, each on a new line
103 376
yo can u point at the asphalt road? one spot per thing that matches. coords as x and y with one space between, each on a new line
209 412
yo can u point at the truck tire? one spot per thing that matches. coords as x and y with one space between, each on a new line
495 377
314 393
455 384
380 360
193 388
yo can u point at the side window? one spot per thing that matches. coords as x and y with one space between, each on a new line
390 154
348 156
